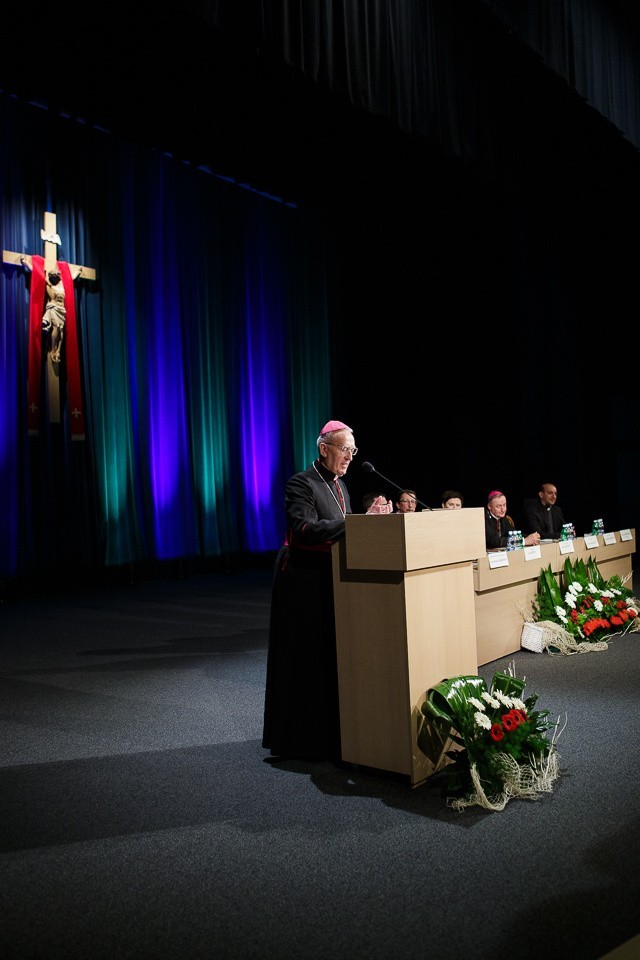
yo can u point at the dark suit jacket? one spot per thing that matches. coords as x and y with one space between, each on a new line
494 537
538 518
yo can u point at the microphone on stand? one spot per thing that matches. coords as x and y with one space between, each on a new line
369 468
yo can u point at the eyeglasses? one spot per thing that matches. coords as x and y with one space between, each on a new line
352 450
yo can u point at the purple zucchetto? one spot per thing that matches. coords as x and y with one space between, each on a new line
332 425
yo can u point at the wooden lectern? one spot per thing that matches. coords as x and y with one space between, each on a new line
405 620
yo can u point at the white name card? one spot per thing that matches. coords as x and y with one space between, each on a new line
533 553
566 546
498 559
591 541
626 534
610 538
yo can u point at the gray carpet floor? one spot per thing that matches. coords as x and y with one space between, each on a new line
138 817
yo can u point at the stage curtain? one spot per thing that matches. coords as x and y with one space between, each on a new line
204 355
431 65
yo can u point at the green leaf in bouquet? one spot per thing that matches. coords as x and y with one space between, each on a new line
548 586
574 573
594 575
548 596
449 699
509 685
434 738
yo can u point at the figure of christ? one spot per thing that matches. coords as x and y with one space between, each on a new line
55 313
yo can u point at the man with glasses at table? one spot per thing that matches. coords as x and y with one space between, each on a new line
406 502
301 709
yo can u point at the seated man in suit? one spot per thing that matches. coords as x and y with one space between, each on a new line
546 516
497 524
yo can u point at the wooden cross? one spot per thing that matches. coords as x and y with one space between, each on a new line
51 242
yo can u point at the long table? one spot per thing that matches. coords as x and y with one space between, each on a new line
504 595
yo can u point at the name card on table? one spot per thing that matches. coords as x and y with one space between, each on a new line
498 558
626 534
566 546
610 538
591 541
533 553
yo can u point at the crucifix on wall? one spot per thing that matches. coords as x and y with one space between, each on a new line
52 311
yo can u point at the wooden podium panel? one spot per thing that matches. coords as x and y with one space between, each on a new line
503 598
414 541
400 631
504 595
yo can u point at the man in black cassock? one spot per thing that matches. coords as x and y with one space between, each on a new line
301 712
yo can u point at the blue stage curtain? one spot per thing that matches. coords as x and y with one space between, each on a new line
204 351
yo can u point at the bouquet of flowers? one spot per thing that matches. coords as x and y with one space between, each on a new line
500 748
587 608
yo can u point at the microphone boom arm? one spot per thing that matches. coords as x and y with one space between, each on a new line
369 468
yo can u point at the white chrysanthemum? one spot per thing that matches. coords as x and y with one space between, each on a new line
606 593
570 600
477 703
482 720
490 700
519 704
591 587
617 592
599 605
575 587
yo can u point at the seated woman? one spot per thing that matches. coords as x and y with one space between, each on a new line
452 500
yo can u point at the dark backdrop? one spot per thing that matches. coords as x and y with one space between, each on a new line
483 270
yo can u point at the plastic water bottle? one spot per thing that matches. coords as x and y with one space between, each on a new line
511 541
519 540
